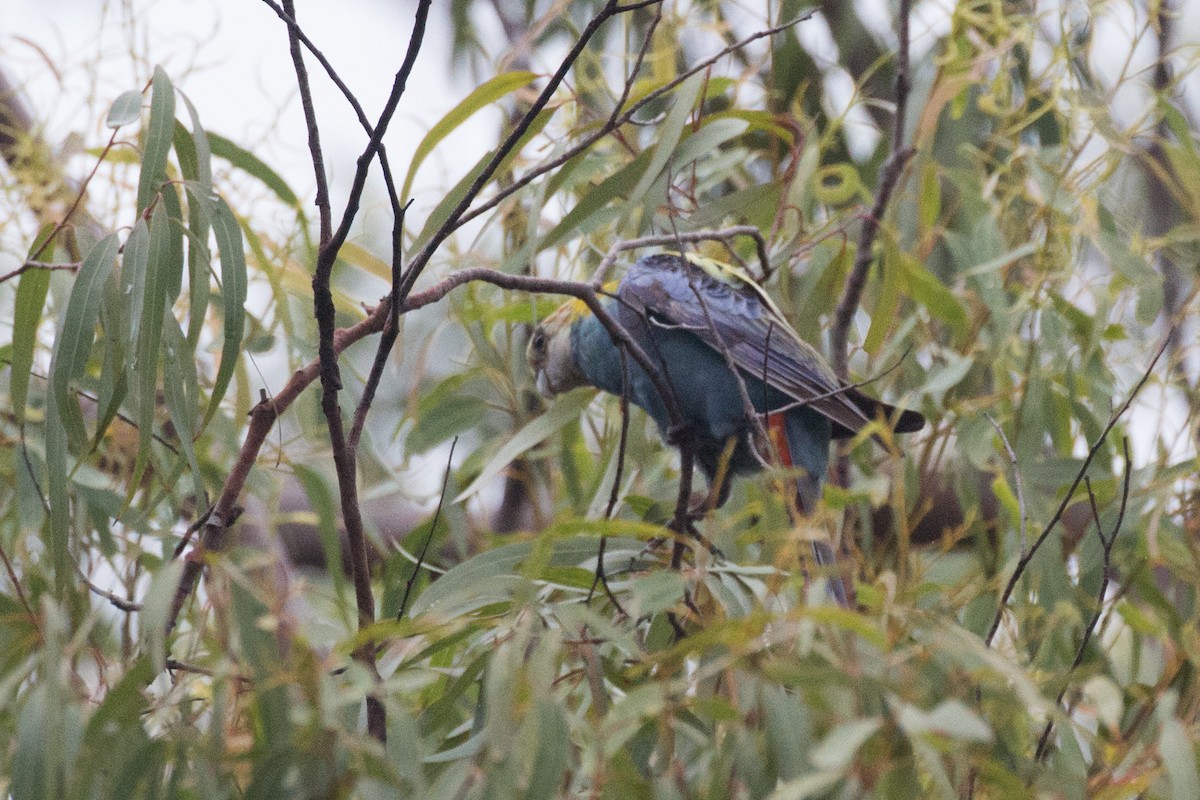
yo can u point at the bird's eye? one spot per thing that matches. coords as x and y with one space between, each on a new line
539 341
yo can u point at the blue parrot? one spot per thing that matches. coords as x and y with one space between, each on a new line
694 317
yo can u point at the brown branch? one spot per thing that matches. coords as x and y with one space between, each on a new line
116 600
268 410
331 241
889 177
457 216
1023 563
79 195
310 120
72 266
361 115
391 330
12 577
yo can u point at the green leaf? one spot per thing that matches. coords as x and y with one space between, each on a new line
125 109
253 166
156 608
441 213
233 291
158 139
923 287
27 316
619 184
950 718
884 313
322 501
537 431
707 140
814 784
657 592
172 265
482 96
488 577
199 258
149 340
553 751
181 390
1179 758
33 773
669 134
75 338
838 749
451 416
58 534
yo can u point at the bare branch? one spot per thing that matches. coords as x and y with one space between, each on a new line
384 165
856 281
458 215
69 266
1106 544
1023 563
615 494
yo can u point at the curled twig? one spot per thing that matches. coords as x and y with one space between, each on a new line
1012 458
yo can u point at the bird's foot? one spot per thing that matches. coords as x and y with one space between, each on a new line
699 506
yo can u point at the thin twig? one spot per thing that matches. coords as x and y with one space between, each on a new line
845 387
71 266
889 177
124 604
310 119
390 332
79 195
384 165
720 235
12 577
600 578
429 537
1023 563
615 123
324 312
1106 544
458 216
1012 458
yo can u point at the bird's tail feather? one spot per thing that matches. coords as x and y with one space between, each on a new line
836 582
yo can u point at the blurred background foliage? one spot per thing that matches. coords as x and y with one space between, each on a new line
1041 243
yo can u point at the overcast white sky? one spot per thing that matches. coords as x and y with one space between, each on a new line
230 57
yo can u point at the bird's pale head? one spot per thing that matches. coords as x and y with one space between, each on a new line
550 352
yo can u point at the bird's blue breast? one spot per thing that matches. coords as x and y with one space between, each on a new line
707 392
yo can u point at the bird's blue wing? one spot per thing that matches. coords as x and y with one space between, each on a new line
733 315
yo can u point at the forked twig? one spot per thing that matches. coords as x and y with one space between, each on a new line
1106 544
1023 563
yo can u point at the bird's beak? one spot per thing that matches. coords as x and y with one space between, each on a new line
543 384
